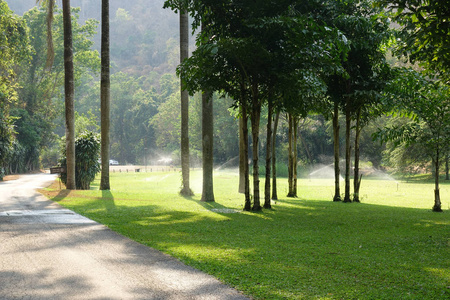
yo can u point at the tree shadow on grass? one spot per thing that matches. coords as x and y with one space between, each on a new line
320 248
362 249
108 200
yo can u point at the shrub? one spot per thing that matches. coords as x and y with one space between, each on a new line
87 155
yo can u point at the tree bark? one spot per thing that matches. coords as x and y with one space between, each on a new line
184 53
105 97
347 152
243 159
49 22
356 178
255 120
207 147
292 156
437 199
295 162
274 165
248 202
69 91
268 157
337 175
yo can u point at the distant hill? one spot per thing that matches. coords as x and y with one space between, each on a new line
144 36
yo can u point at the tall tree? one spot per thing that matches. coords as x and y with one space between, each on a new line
105 97
69 91
184 54
261 44
366 28
427 103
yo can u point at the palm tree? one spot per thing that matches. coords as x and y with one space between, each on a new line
105 97
184 53
68 84
69 96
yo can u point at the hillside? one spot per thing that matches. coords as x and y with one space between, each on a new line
144 36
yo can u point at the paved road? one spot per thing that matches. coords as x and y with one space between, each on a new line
47 252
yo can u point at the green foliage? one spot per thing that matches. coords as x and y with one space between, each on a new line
390 247
40 107
86 122
426 103
14 50
424 32
87 155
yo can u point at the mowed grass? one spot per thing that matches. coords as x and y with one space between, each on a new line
391 246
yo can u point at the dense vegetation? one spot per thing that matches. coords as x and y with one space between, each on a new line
303 85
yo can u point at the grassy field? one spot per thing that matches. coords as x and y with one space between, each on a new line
390 246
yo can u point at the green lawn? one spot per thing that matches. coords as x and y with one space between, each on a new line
391 246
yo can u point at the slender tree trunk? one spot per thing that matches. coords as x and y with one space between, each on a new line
207 147
356 178
243 159
248 202
268 157
105 97
290 158
255 120
295 156
274 165
337 175
184 53
437 199
69 91
50 48
347 152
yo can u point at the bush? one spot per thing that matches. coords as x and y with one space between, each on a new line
87 156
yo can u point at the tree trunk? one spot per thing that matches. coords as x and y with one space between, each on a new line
290 158
437 199
268 157
356 178
337 175
274 166
207 147
347 152
184 53
295 162
105 97
243 159
255 120
69 96
248 202
49 22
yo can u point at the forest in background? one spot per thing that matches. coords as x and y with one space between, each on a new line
145 101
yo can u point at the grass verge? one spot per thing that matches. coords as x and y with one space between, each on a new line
391 246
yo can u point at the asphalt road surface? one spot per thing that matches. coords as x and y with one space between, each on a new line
48 252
